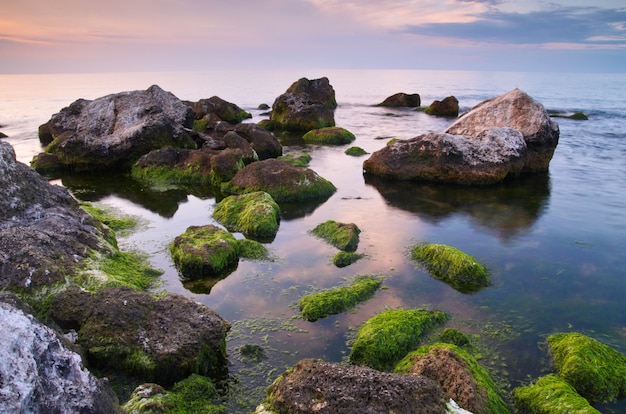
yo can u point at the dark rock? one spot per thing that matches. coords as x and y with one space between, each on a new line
224 110
263 141
306 105
3 135
514 109
329 135
281 180
312 386
159 340
44 234
115 130
41 374
491 156
448 107
402 99
234 140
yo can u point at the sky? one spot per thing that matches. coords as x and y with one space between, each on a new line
43 36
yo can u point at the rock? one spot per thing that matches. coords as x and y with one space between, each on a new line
448 107
235 141
264 143
343 259
306 105
329 135
3 135
344 236
44 234
355 151
159 340
281 180
204 250
312 386
491 156
46 164
514 109
113 131
460 376
402 99
386 338
41 374
595 370
551 394
225 111
253 214
297 159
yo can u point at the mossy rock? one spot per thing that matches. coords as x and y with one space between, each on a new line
329 136
551 395
459 374
452 266
297 159
344 236
595 370
454 336
204 250
343 259
355 151
253 214
387 337
330 302
253 250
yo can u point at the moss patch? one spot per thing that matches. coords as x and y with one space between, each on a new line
120 223
597 371
452 266
297 159
253 214
343 259
251 249
343 236
204 250
454 336
320 305
387 337
330 136
551 394
355 151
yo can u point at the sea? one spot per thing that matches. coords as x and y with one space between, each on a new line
554 243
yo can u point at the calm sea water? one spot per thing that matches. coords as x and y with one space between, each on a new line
553 242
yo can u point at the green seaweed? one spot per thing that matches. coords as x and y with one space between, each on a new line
387 337
355 151
253 250
343 259
454 336
551 395
452 266
595 370
253 214
297 159
343 236
330 302
330 135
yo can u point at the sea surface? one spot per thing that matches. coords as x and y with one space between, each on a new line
554 243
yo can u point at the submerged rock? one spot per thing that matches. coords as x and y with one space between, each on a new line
115 130
402 99
344 236
159 340
44 234
329 135
41 374
448 107
551 394
315 386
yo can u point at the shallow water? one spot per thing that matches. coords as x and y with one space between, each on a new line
553 242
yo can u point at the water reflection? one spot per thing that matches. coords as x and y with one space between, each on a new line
506 210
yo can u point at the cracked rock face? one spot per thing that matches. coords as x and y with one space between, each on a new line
38 373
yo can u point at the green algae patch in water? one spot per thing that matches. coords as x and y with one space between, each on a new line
387 337
597 371
341 235
452 266
340 299
551 394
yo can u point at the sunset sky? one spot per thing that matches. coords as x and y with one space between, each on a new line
41 36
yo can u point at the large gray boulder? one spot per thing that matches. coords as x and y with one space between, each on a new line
515 109
40 374
491 156
115 130
44 234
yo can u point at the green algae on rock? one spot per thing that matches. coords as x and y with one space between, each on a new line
355 151
460 375
452 266
549 395
387 337
204 250
297 159
454 336
330 302
253 250
253 214
595 370
329 135
344 236
343 259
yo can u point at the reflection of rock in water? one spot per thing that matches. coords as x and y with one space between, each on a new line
205 284
507 209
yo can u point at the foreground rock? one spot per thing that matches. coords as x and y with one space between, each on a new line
44 234
281 180
490 157
159 340
514 109
316 386
305 105
40 374
402 99
115 130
